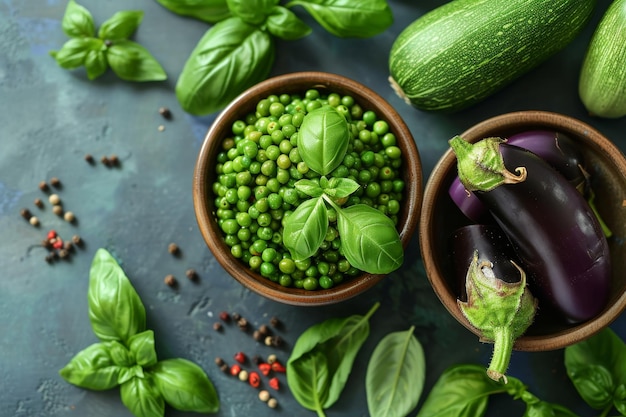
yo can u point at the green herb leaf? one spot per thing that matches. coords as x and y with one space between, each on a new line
185 386
132 62
121 25
75 51
619 399
141 346
115 309
92 368
231 57
120 354
142 398
323 139
395 375
77 21
370 241
309 187
596 367
347 18
336 342
211 11
284 23
95 63
461 391
304 229
253 12
341 187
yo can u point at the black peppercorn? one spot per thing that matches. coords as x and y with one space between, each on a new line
173 249
170 280
25 213
105 160
114 160
165 112
43 186
217 326
236 316
219 361
38 202
257 335
275 322
55 182
243 324
224 316
191 274
89 158
264 330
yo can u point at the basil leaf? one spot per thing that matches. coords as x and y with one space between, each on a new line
95 64
127 373
304 229
619 399
211 11
347 18
395 375
461 391
74 52
369 239
115 309
251 11
120 354
309 187
231 57
141 347
132 62
92 368
185 386
283 23
323 139
596 367
341 187
142 398
121 25
545 409
77 21
338 340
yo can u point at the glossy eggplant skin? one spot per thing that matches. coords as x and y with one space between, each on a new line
492 245
555 234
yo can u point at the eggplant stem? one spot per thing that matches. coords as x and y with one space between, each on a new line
502 349
510 178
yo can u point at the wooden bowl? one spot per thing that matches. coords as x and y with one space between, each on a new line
204 176
440 217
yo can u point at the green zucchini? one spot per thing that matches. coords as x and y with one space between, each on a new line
602 83
460 53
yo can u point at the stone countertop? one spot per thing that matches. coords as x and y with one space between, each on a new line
51 118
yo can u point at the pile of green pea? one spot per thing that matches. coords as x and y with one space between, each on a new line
259 165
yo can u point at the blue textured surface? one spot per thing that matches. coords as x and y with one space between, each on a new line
50 118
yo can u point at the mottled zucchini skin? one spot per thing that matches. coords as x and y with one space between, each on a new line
460 53
602 84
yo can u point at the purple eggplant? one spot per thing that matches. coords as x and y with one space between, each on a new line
553 230
555 148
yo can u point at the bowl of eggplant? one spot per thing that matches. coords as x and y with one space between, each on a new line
538 196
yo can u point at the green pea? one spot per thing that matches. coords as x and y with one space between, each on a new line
264 219
269 254
393 152
386 173
243 219
267 269
285 280
298 283
303 264
243 178
238 127
312 94
297 119
265 141
310 283
365 176
244 234
268 168
284 99
273 185
372 190
288 130
323 268
285 119
347 101
287 266
393 206
334 99
230 226
265 233
275 201
262 205
369 117
244 192
255 167
276 109
356 111
326 282
277 137
231 240
258 247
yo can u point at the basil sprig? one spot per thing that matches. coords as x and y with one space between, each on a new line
369 239
110 48
126 356
238 51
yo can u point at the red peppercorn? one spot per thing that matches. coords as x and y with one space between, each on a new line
235 369
224 316
274 383
240 357
265 368
52 234
254 379
278 367
58 244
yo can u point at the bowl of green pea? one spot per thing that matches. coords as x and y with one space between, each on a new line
308 188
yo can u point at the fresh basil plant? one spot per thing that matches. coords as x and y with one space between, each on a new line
369 239
110 48
125 355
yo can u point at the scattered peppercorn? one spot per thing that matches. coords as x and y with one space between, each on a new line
105 160
49 258
264 330
275 322
54 199
25 213
165 112
243 324
173 249
278 367
236 316
114 160
274 383
257 335
77 240
243 375
69 217
224 368
271 359
217 326
55 182
68 246
34 221
57 243
224 316
89 158
43 186
273 341
51 234
57 209
38 202
63 254
235 369
191 274
254 379
256 359
265 368
161 128
272 403
46 244
219 361
240 357
264 395
170 280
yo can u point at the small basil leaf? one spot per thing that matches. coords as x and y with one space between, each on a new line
308 380
120 354
309 187
347 18
132 62
230 57
92 368
77 21
141 347
619 399
95 64
115 309
369 239
74 52
545 409
323 139
284 24
304 230
341 187
121 25
211 11
127 373
142 398
185 386
395 375
251 11
461 391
